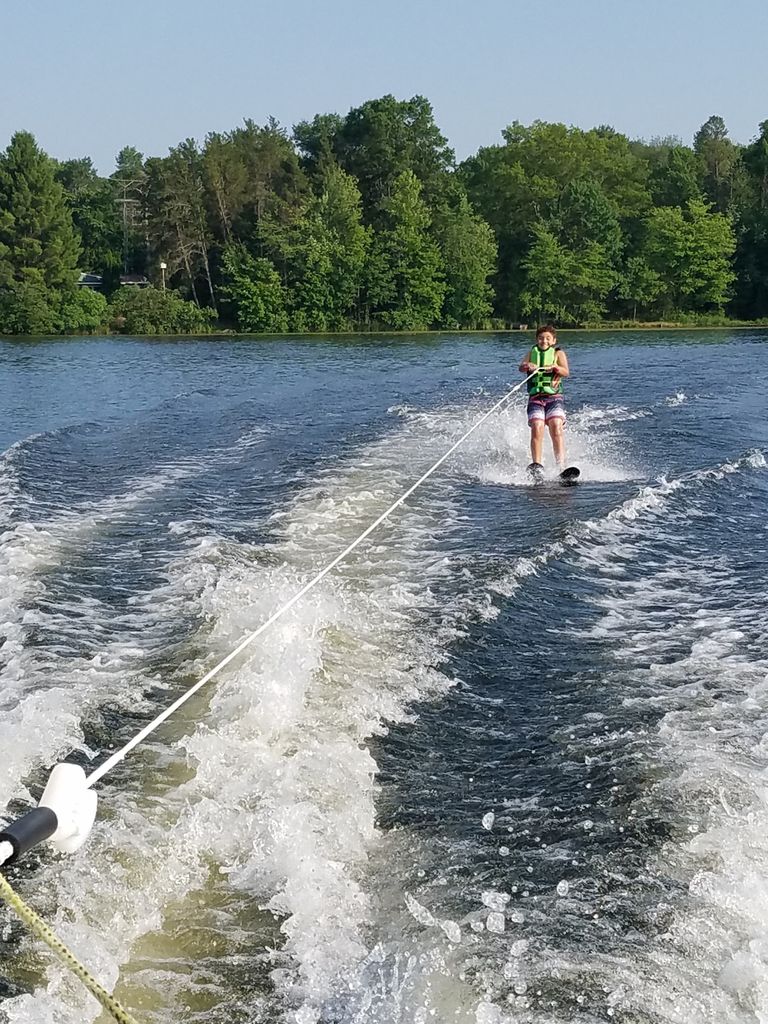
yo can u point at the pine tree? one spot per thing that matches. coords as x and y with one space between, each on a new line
38 244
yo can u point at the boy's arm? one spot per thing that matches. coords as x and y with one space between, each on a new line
561 362
527 366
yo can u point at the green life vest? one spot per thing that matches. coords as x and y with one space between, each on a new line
542 383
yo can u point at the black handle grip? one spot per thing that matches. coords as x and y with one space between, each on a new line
33 828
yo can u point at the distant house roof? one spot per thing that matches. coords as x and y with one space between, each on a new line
90 281
135 280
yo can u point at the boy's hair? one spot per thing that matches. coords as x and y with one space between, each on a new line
546 329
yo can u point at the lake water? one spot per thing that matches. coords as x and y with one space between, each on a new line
508 763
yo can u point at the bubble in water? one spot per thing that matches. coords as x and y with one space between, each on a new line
518 948
307 1015
562 888
419 911
495 900
504 851
452 930
488 820
487 1013
520 988
495 923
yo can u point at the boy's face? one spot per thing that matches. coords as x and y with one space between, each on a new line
545 340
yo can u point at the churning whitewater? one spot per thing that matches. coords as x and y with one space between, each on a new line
505 764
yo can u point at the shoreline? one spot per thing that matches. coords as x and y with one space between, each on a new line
516 331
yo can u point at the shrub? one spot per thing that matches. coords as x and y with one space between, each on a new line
83 311
151 311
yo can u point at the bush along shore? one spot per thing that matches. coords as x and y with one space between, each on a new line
366 222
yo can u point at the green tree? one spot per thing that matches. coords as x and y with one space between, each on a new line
469 253
254 291
225 180
380 140
639 284
677 180
756 164
523 183
752 249
316 140
564 283
178 228
691 250
546 267
584 214
38 244
720 158
591 276
752 265
406 282
328 255
272 183
130 180
96 217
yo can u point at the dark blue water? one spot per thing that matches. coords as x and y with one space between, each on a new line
506 764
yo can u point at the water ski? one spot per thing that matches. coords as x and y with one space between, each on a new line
536 472
570 476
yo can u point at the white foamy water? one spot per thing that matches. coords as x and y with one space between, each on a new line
271 798
99 651
599 416
282 793
499 451
687 637
612 529
701 629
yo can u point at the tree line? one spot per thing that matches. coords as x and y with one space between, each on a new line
366 221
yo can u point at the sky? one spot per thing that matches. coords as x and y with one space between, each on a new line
88 79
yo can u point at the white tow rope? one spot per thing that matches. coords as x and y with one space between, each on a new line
118 756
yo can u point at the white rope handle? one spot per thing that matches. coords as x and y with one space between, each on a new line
118 756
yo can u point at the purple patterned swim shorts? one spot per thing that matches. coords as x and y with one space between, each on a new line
546 408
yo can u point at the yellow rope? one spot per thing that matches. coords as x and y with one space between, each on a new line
42 931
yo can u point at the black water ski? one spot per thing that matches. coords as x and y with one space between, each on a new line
570 476
536 472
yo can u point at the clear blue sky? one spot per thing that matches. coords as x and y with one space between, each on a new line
88 78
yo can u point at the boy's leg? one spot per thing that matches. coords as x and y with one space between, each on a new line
537 440
555 425
536 418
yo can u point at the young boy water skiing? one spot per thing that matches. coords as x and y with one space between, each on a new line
546 408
